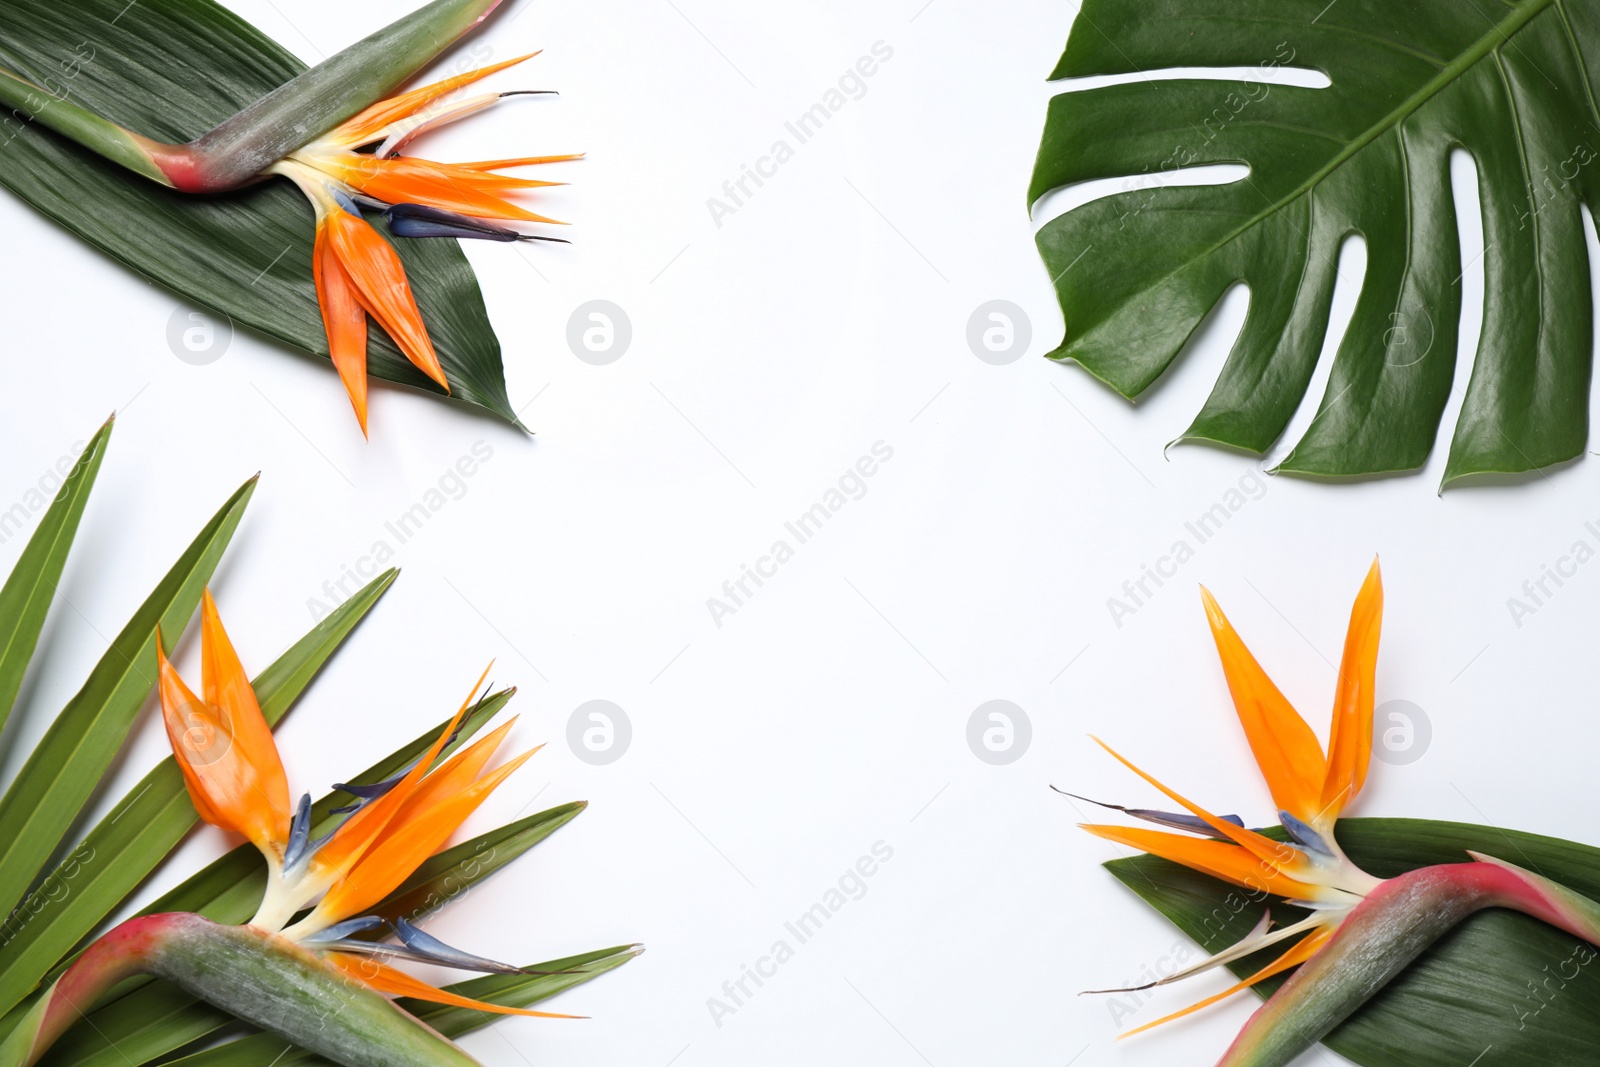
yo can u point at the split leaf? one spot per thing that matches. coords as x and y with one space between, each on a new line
1138 271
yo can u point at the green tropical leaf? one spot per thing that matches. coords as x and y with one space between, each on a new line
147 824
1501 979
515 990
25 598
62 773
173 70
1511 81
145 1018
153 1018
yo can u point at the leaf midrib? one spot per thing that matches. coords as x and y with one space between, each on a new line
1514 21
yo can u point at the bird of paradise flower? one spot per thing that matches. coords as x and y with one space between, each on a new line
1362 931
310 949
336 134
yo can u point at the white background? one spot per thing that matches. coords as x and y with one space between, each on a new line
829 713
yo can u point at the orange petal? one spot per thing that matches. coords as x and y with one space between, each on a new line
415 833
423 181
1216 858
1350 741
1303 950
520 161
1286 750
395 982
1275 853
191 727
356 834
380 283
344 320
235 779
459 772
370 124
263 799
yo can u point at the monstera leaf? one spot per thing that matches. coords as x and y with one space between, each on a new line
1513 83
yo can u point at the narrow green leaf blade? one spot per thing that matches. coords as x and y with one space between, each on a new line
146 1018
173 71
519 991
154 1018
147 824
63 771
1487 983
25 598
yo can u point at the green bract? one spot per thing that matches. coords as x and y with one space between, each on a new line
1511 82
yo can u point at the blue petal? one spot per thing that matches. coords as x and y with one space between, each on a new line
1170 819
341 930
420 220
428 947
299 832
1303 835
373 791
365 793
344 200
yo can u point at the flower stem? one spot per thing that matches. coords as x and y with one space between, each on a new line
33 103
239 149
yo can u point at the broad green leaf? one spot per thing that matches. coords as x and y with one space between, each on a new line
145 1018
147 824
1510 81
25 598
1501 979
173 70
519 991
69 763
